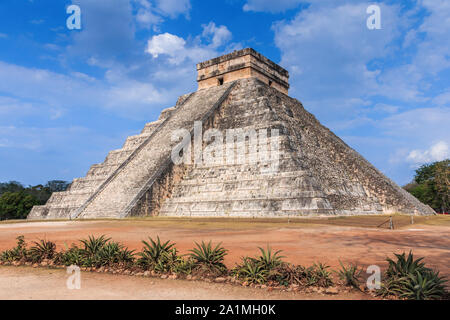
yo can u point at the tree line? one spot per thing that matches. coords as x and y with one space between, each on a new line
431 185
16 200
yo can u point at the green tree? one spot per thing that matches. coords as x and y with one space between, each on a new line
16 200
57 185
16 205
11 186
431 185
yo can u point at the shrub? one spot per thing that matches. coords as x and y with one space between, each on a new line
270 260
286 274
16 205
418 286
405 266
91 249
72 256
17 253
41 250
318 275
157 256
126 256
113 253
408 278
251 271
92 245
208 259
183 266
350 275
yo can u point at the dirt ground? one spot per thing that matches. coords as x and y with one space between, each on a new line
303 241
27 283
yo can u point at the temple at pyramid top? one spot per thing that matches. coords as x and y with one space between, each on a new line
242 64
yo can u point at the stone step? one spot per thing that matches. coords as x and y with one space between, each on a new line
241 195
134 142
87 182
119 193
99 171
151 127
227 207
117 156
227 177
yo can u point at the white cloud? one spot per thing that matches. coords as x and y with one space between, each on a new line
151 15
3 35
47 92
220 35
165 43
329 48
147 18
385 108
271 5
443 98
178 49
437 152
418 125
433 53
411 132
174 8
10 107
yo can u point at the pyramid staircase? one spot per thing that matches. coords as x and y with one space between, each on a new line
110 188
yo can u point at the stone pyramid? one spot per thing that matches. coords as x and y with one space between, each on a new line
313 173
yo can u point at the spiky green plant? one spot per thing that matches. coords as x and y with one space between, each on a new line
71 256
114 253
156 255
270 260
183 266
18 253
350 275
405 266
208 258
42 250
93 245
251 271
318 275
126 256
418 286
408 278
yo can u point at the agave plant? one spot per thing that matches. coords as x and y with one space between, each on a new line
209 258
418 286
251 271
42 250
126 256
405 266
108 255
156 254
17 253
183 266
350 275
409 279
318 275
92 245
270 260
72 256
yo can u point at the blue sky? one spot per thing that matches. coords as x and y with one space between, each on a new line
67 97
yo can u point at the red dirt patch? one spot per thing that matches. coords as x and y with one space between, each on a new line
302 243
